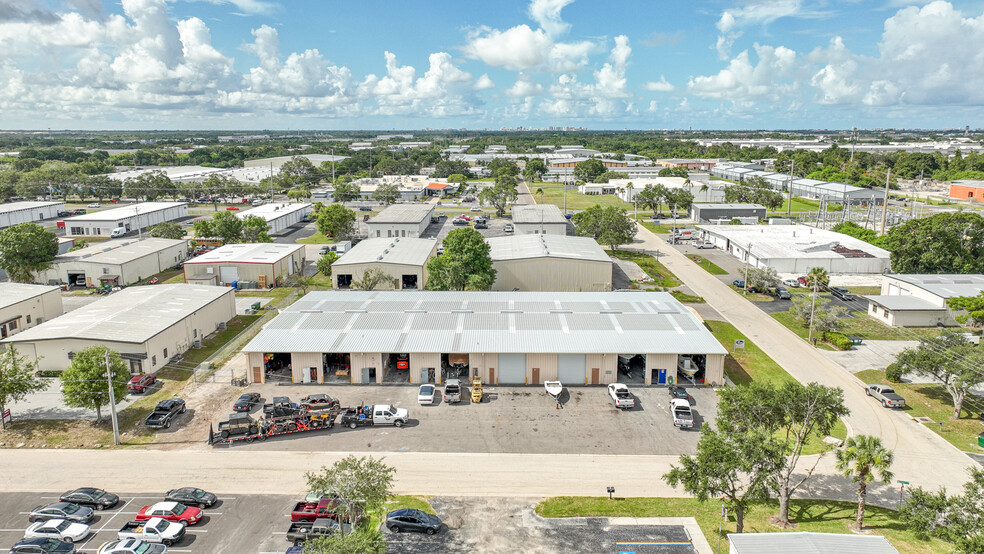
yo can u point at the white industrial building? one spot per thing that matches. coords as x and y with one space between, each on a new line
538 219
807 188
148 326
261 265
797 248
279 215
808 543
920 300
401 220
504 338
114 262
23 306
15 213
713 213
315 159
545 262
131 218
403 259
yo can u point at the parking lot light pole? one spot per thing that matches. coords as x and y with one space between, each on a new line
112 402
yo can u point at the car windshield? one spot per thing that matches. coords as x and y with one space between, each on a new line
63 525
426 390
70 508
97 494
198 493
179 509
142 548
163 524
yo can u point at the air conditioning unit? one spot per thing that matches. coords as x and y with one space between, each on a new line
197 344
220 325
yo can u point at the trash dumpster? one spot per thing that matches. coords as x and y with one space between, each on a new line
980 440
255 306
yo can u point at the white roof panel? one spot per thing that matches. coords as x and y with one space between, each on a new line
404 251
13 293
129 210
262 252
520 247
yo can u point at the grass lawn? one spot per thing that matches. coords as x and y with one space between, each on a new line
399 502
708 266
684 297
216 341
660 275
751 364
864 290
576 200
931 400
799 205
870 328
168 275
658 229
316 238
821 516
753 296
790 322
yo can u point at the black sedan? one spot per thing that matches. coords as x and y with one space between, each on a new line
412 520
96 498
246 402
43 546
679 393
842 293
190 496
61 510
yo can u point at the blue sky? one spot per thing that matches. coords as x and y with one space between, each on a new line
344 64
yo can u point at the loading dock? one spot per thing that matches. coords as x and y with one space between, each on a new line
512 369
336 367
632 370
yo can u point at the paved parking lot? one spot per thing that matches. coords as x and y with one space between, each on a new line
510 419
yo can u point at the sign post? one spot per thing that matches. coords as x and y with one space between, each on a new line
6 417
902 485
739 345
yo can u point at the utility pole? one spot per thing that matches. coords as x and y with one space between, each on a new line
565 195
888 177
112 402
333 166
789 201
748 254
136 219
813 305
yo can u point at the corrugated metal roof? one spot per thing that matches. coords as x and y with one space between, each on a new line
728 206
405 251
486 322
133 314
404 213
904 303
12 293
274 210
520 247
537 213
791 241
809 543
263 252
118 251
127 211
944 285
17 206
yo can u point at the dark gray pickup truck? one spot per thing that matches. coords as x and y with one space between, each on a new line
300 531
164 413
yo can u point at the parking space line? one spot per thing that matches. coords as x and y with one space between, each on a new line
92 534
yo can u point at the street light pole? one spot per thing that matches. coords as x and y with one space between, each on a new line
813 306
748 254
112 402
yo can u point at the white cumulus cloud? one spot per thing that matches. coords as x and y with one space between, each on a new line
659 86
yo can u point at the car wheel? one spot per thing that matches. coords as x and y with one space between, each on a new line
69 540
398 423
167 425
867 392
395 529
168 542
252 430
224 434
298 542
249 438
885 403
292 427
431 530
352 425
184 409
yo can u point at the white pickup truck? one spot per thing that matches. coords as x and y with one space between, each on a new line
886 395
380 414
155 529
683 417
621 396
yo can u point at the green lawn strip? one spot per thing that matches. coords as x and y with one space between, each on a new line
660 275
707 265
316 238
819 516
790 322
857 291
816 445
753 296
931 400
168 275
751 364
576 200
658 229
213 343
799 205
684 297
275 293
870 328
402 501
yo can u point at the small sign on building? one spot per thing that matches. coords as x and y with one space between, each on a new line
739 345
6 417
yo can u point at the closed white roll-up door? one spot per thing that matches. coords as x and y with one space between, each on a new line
570 368
228 274
512 369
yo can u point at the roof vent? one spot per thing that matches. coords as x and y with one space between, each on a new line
379 258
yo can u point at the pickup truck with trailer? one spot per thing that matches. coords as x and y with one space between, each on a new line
380 414
238 424
683 417
280 407
165 411
301 531
621 396
886 395
325 508
452 391
155 529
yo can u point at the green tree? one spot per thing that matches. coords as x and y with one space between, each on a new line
534 169
297 172
755 190
457 178
733 467
862 458
18 378
956 519
84 383
465 264
215 186
973 305
223 225
361 484
26 249
941 243
792 413
254 229
678 171
589 170
99 187
652 197
336 221
817 279
386 192
150 185
763 278
299 192
325 263
824 317
372 278
347 192
500 194
362 540
501 166
611 225
949 359
445 168
679 199
166 230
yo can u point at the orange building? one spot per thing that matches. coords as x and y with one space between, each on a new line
967 190
573 162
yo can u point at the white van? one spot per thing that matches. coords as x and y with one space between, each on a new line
117 232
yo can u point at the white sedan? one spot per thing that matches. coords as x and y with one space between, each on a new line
425 396
94 205
60 529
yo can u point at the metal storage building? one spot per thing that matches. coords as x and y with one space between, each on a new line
920 300
131 218
265 263
505 338
550 263
403 259
538 219
23 306
809 543
16 213
114 262
703 213
279 215
148 326
401 220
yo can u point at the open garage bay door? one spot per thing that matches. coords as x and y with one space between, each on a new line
570 368
512 369
228 274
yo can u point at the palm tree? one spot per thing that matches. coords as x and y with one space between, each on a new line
817 278
861 458
539 195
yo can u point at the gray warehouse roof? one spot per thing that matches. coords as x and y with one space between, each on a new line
537 213
521 247
261 253
18 206
117 251
13 293
132 315
127 211
944 286
404 251
795 241
904 303
700 206
486 322
809 543
404 213
274 210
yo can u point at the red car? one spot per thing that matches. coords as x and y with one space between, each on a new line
140 383
171 511
231 208
803 281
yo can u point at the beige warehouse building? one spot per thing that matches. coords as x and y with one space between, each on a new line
403 259
148 326
538 219
504 338
23 306
114 262
130 217
545 262
264 263
401 221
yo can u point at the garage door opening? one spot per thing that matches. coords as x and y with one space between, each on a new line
454 366
337 368
76 279
396 368
632 370
344 281
512 369
276 366
690 368
409 282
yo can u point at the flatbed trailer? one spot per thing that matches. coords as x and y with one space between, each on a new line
315 420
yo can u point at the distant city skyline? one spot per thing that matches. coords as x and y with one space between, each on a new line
390 64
